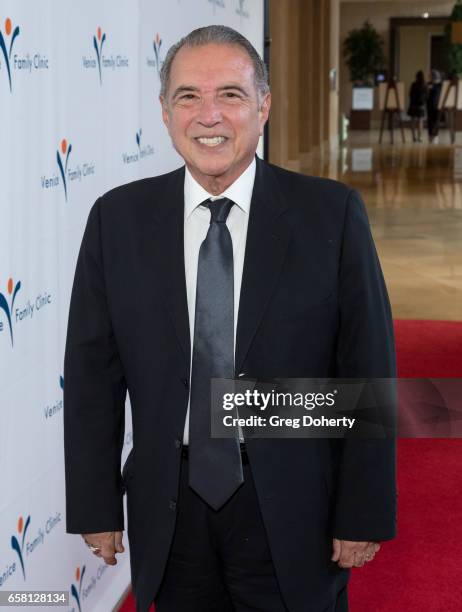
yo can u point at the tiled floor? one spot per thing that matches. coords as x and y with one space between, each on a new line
413 194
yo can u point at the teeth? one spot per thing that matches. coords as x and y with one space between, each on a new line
212 142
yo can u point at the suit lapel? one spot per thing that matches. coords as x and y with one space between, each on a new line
267 241
169 255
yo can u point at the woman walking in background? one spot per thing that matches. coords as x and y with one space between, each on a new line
434 90
418 98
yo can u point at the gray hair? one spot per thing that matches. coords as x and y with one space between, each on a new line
216 34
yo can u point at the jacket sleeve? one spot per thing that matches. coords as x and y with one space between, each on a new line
94 397
365 507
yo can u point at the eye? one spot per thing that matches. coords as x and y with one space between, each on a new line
187 97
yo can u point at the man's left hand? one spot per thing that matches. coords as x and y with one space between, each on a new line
353 554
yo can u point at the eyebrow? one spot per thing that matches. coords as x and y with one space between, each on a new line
183 89
190 88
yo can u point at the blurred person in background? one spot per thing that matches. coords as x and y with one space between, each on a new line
434 91
417 101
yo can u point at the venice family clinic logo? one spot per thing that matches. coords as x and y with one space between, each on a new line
103 61
26 62
98 42
138 140
157 43
12 291
156 60
54 408
64 173
76 591
19 547
3 45
217 3
241 10
144 150
66 151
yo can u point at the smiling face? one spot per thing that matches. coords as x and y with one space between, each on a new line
213 112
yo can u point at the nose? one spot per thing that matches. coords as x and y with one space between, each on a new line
209 113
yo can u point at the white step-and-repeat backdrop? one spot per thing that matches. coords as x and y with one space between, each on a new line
79 114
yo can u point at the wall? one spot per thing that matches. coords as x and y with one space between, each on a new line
304 49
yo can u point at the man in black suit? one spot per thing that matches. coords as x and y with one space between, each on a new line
226 266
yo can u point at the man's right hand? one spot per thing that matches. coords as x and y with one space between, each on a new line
108 542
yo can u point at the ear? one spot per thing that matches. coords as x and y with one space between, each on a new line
165 115
264 110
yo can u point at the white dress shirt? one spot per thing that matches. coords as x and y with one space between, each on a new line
196 225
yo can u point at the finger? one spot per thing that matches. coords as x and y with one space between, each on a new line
347 558
108 550
345 563
365 555
371 550
108 554
98 552
349 549
94 539
352 547
337 548
110 560
91 542
118 542
362 558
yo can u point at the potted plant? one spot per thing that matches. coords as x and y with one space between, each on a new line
453 39
364 56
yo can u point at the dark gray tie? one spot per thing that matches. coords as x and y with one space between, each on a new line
215 468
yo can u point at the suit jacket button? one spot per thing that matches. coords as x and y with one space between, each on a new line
172 505
178 443
185 382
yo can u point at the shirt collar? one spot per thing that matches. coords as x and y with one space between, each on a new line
240 192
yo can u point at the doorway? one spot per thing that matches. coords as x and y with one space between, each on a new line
438 56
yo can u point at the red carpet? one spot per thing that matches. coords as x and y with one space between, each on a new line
429 349
421 570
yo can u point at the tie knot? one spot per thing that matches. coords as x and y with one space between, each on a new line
219 209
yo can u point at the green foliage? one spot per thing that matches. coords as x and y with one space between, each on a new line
363 53
454 51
